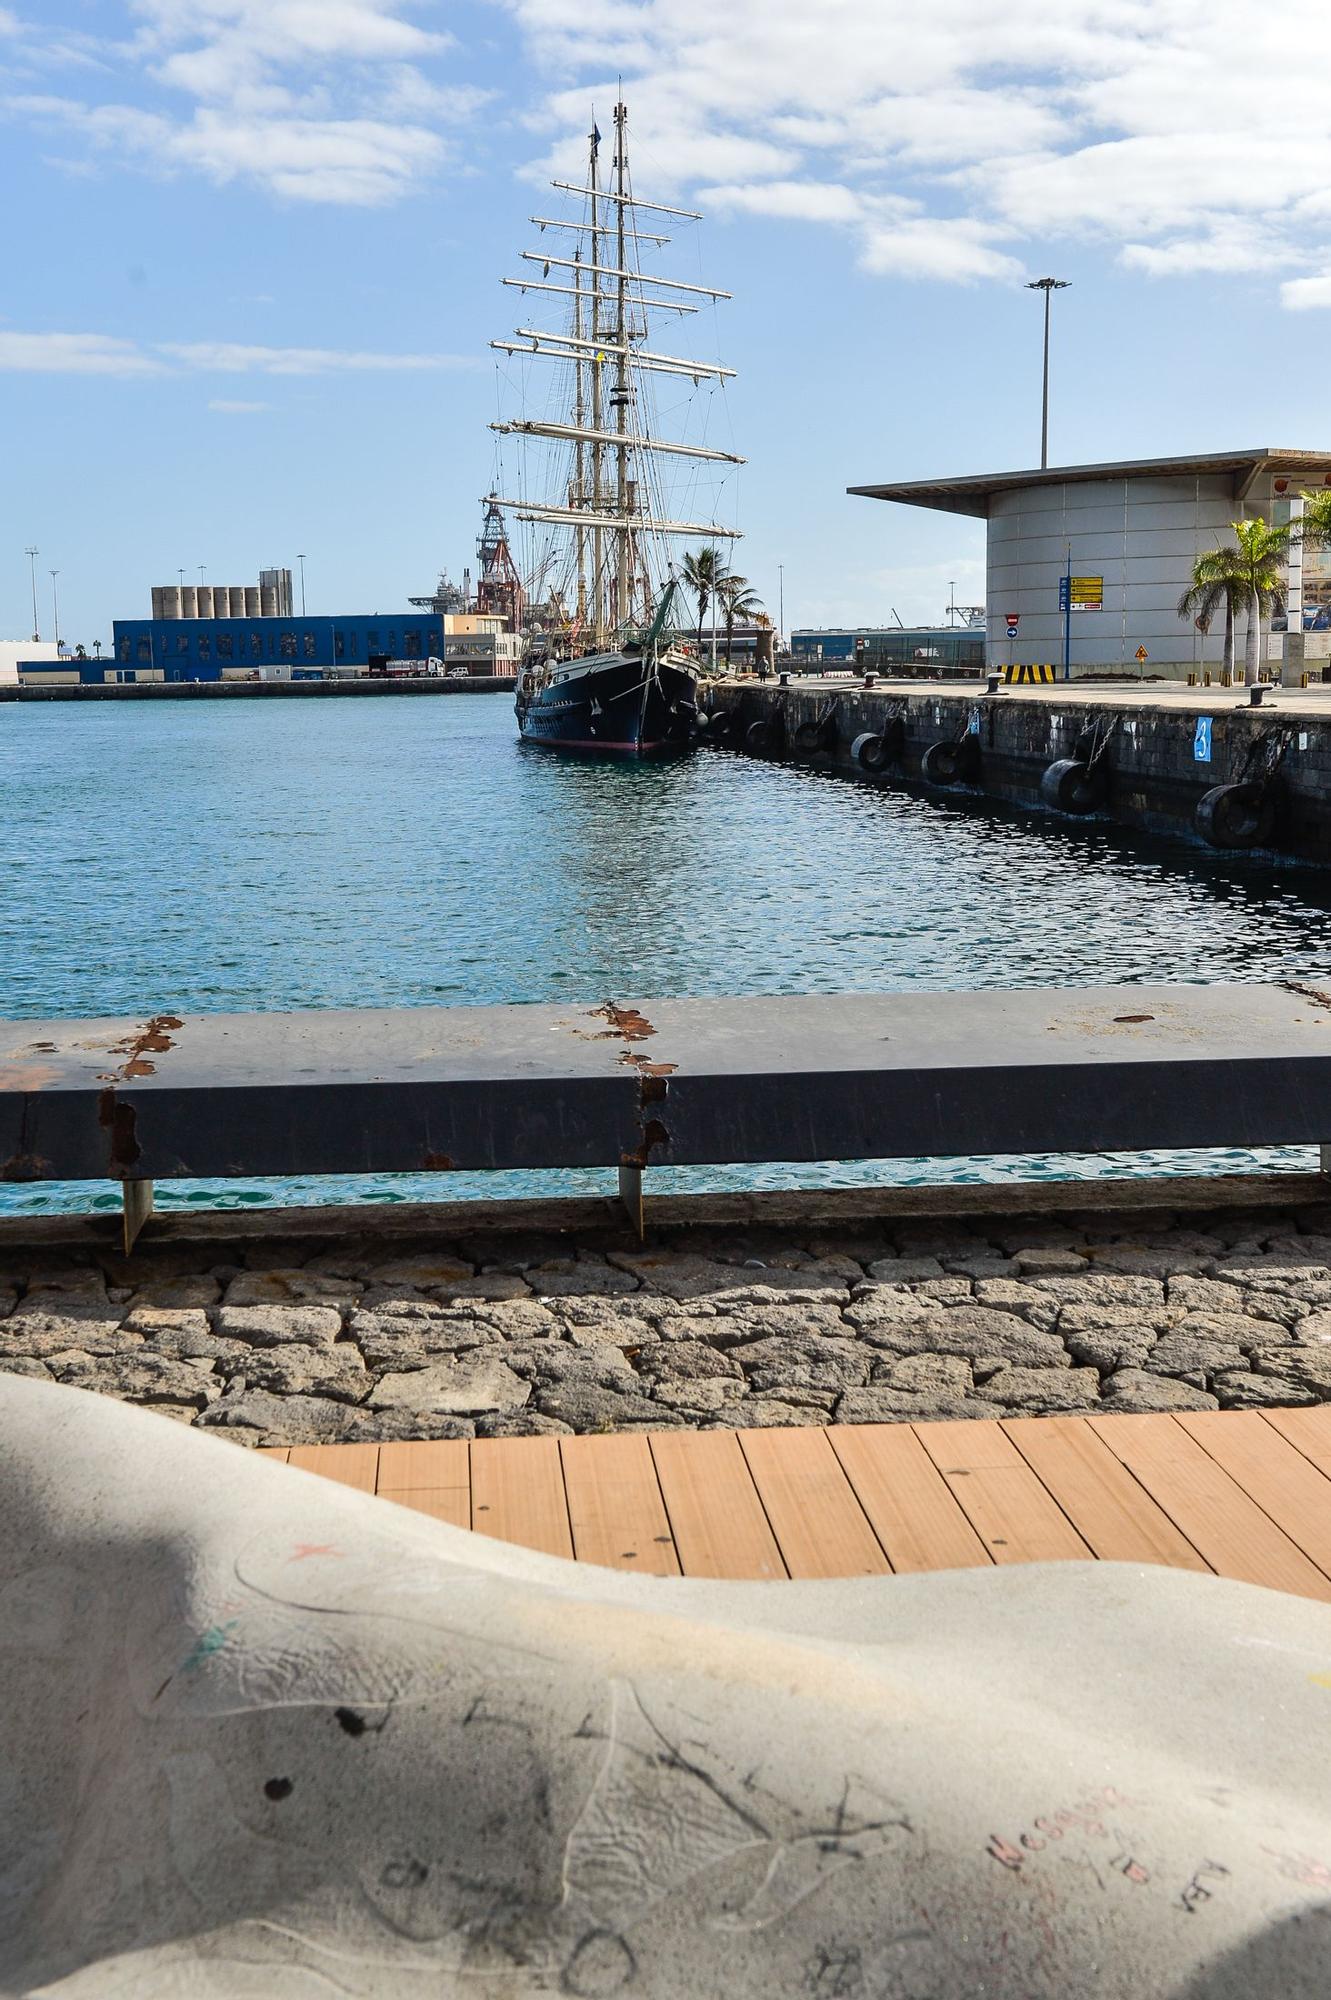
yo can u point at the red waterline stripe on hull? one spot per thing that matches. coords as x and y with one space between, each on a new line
597 743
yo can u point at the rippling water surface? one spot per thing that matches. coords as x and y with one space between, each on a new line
410 852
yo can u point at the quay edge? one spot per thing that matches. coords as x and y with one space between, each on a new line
1154 778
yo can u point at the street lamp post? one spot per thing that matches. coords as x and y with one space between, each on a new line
55 607
32 555
301 561
1046 285
781 604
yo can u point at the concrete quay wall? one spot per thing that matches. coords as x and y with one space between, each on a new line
1155 778
257 690
517 1319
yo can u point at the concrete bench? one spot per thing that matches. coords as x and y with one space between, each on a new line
662 1083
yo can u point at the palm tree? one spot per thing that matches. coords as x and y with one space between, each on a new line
1245 574
1216 581
703 574
1317 519
1262 551
739 602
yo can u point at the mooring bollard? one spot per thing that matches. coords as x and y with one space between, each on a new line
992 683
1255 694
783 680
869 679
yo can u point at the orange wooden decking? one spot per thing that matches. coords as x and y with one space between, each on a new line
1238 1493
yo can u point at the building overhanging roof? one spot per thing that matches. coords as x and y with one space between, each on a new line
970 493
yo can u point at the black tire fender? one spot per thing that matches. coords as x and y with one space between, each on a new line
718 726
1237 816
809 738
870 752
1071 786
952 763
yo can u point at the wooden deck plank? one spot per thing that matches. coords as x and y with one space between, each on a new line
1309 1431
615 1509
909 1505
350 1464
433 1476
1112 1511
1222 1523
1009 1508
442 1503
437 1462
1271 1471
820 1526
517 1493
716 1516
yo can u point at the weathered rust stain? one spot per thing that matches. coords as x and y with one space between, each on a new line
626 1023
439 1163
119 1120
654 1133
1133 1018
1317 994
24 1167
645 1068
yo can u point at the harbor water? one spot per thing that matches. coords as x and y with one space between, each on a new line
283 854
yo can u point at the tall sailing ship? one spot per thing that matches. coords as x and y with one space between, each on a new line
607 672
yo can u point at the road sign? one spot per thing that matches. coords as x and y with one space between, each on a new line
1013 620
1081 593
1201 741
1142 653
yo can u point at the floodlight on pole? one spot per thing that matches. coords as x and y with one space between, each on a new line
32 555
1046 285
55 606
301 561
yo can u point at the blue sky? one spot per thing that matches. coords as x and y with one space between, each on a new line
253 250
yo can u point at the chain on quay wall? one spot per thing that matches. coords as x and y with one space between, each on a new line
1239 776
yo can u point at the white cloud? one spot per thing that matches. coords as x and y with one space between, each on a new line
73 354
105 354
310 100
232 358
1304 294
1182 135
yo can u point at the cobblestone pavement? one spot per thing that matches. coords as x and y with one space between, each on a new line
505 1334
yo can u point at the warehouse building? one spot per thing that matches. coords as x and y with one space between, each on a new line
1119 540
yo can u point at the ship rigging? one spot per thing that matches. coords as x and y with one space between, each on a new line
607 462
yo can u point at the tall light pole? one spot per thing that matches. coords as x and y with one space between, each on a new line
301 561
55 607
1046 285
32 555
781 603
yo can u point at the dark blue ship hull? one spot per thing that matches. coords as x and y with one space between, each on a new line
609 704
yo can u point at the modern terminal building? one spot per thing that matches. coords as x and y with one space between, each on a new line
1127 535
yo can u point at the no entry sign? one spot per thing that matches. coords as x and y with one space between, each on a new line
1013 620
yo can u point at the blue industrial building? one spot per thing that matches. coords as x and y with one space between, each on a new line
212 649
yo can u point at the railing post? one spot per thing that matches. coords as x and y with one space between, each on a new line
137 1201
630 1193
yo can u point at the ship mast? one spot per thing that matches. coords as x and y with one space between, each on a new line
621 396
598 414
613 509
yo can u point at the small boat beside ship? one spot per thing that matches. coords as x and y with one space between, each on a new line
605 671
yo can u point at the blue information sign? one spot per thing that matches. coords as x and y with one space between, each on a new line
1201 742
